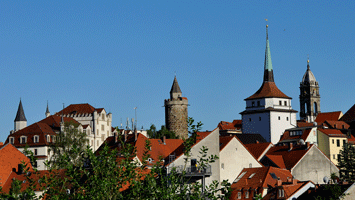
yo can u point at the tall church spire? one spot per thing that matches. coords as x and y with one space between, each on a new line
20 119
47 111
268 71
20 116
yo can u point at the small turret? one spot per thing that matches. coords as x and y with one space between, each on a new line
175 91
20 120
47 111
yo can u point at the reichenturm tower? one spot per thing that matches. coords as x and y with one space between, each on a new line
268 111
176 111
309 96
20 119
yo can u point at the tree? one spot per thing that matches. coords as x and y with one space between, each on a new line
346 163
153 133
69 142
110 174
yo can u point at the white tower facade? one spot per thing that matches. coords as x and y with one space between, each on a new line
268 112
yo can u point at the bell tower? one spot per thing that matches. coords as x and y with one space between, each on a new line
309 96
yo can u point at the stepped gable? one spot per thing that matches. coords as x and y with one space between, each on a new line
333 116
268 90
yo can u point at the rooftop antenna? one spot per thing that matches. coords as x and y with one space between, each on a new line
132 123
121 124
135 115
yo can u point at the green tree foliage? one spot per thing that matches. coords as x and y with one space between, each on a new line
69 142
112 174
153 133
346 163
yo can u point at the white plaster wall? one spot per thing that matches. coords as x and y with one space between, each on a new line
41 151
234 157
255 125
212 143
312 137
278 127
276 103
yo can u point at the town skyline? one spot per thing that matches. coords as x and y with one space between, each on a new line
119 56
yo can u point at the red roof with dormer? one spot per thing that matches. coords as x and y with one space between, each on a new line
336 124
287 136
83 108
268 90
333 116
332 132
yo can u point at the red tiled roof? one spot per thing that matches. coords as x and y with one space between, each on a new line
289 190
291 158
337 124
54 121
257 149
304 124
333 116
235 125
268 89
223 141
278 160
99 110
332 132
261 179
304 136
77 109
10 157
349 115
351 140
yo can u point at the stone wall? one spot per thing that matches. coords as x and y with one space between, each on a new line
176 116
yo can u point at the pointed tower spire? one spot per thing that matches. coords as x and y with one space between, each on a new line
20 119
47 111
268 71
175 91
20 116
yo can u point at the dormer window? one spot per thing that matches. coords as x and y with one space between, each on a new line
23 139
252 104
285 103
48 138
280 103
258 103
53 138
36 139
11 140
281 193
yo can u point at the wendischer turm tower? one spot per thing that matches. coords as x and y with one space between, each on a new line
176 111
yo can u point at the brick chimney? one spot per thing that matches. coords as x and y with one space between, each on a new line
279 182
294 181
164 139
291 146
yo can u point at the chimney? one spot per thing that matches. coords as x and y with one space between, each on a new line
279 182
291 146
294 181
164 138
20 169
308 145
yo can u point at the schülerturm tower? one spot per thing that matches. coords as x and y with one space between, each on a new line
20 119
309 96
268 111
176 111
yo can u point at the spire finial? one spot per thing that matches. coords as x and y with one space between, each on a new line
307 61
267 26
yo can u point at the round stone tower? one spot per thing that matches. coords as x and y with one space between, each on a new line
176 111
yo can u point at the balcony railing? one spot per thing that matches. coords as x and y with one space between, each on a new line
192 170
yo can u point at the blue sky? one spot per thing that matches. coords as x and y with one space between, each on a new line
124 54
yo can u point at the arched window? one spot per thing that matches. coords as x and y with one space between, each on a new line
307 108
315 108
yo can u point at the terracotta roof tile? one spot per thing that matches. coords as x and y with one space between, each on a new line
349 116
337 124
278 160
304 136
333 116
77 109
258 149
10 157
291 158
235 125
304 124
247 138
268 89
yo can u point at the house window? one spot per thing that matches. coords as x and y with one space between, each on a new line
247 194
335 126
258 103
279 118
280 102
333 156
53 138
338 156
250 119
102 127
23 140
285 103
97 142
252 104
338 143
239 195
344 141
97 131
250 165
11 140
222 165
35 139
281 193
48 138
287 118
333 141
49 152
259 118
103 116
35 152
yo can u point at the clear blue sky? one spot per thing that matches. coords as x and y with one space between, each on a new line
123 54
